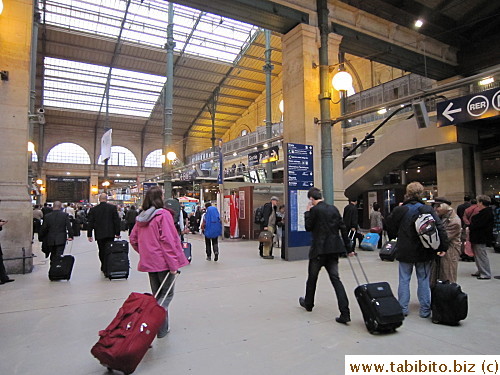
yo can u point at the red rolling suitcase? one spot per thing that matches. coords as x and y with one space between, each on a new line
123 344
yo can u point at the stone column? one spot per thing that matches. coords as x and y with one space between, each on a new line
94 181
301 90
15 205
454 173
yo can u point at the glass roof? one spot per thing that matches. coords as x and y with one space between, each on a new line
195 32
76 85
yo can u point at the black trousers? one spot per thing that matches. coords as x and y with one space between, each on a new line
103 254
211 243
130 227
3 273
331 264
56 251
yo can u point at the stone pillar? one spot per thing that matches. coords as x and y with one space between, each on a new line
478 171
454 173
94 182
15 205
301 90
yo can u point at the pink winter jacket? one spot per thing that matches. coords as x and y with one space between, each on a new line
156 240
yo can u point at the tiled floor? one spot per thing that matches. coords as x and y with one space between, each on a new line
237 316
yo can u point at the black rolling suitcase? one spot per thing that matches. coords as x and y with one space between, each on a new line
61 268
449 304
388 251
117 262
381 310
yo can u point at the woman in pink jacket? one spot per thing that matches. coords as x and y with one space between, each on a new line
156 240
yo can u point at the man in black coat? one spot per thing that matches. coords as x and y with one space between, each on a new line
411 252
350 217
55 230
104 220
481 236
325 223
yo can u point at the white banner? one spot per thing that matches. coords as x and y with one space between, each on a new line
106 145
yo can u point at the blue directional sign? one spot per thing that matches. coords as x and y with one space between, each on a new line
299 179
469 108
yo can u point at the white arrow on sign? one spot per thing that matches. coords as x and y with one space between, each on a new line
448 111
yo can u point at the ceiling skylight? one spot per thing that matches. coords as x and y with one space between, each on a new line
75 85
213 36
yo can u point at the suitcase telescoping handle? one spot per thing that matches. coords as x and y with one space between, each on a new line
360 266
169 288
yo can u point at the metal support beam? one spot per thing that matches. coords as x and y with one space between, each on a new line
324 100
168 103
268 68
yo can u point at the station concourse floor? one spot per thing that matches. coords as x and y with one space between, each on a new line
239 315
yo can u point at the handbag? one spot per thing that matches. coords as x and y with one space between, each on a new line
376 230
265 237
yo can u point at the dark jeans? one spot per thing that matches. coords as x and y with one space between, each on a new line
155 280
331 264
3 273
103 255
211 243
56 251
130 227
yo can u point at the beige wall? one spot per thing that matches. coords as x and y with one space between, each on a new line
15 205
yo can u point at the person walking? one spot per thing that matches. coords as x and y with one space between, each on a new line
130 218
55 230
448 265
329 239
376 222
481 236
4 278
156 240
350 217
37 219
104 220
268 223
411 252
211 227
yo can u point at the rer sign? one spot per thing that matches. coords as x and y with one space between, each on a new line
469 108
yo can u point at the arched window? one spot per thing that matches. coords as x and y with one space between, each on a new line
121 156
34 156
153 159
68 153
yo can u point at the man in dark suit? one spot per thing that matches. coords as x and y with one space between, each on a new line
56 228
350 216
325 223
104 220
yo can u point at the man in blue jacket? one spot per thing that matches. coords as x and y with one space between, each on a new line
411 252
329 239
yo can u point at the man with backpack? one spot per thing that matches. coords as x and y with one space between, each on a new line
416 247
265 216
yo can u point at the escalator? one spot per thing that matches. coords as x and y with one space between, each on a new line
398 142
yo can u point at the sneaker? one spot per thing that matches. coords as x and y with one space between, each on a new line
209 258
302 302
344 319
268 257
475 274
483 278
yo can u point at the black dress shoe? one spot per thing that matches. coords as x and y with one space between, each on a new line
343 319
216 257
6 281
302 302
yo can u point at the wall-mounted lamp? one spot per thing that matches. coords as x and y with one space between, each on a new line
171 156
1 6
39 181
342 81
419 23
31 146
94 189
106 184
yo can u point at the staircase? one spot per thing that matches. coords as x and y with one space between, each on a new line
399 142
